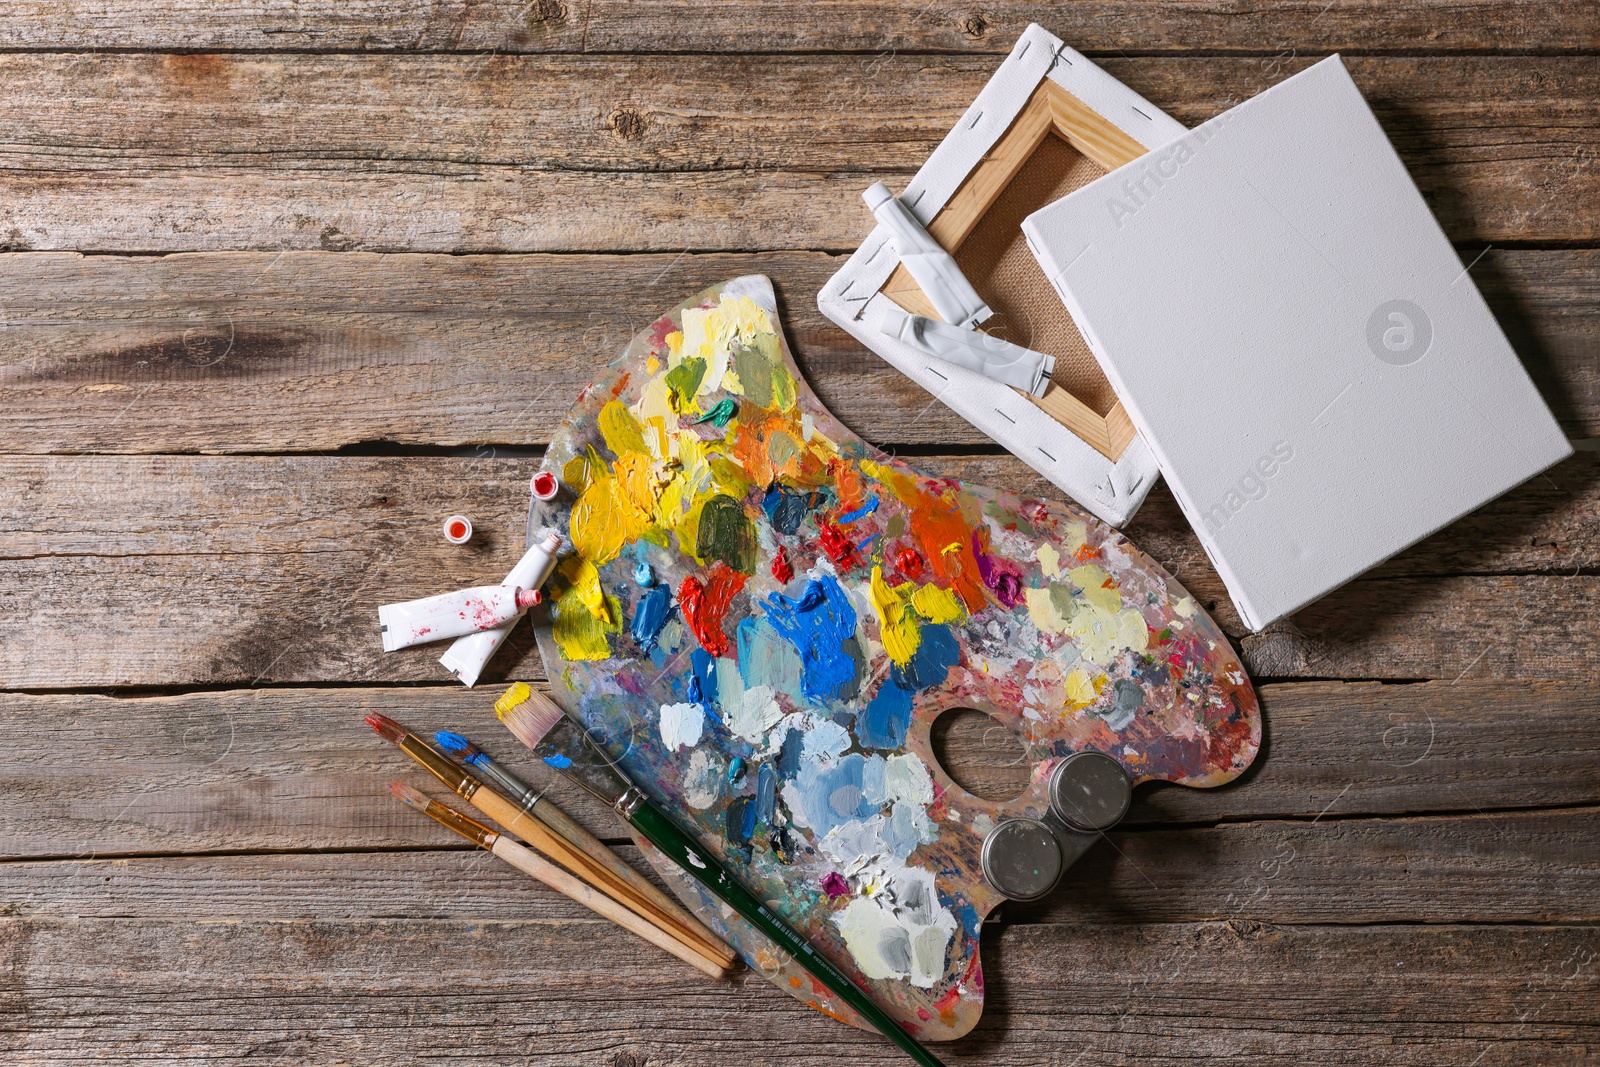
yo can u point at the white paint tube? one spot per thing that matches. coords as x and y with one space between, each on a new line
933 269
465 611
465 658
1002 361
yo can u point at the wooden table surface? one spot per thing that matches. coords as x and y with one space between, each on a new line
286 282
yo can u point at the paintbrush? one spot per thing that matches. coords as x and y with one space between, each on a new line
530 800
536 866
471 789
562 743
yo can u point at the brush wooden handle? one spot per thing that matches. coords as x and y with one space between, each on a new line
564 852
536 866
563 824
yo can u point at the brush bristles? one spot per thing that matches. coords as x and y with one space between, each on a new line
406 795
532 719
455 744
387 728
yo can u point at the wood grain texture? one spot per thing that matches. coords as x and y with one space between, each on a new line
1506 867
190 570
297 769
97 990
1406 876
240 352
845 25
468 153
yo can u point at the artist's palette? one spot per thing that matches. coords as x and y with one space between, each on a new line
763 616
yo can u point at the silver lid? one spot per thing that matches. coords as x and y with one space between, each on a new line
1022 859
1090 791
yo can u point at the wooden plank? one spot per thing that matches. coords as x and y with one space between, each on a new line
1506 867
239 352
787 26
657 153
189 570
240 770
97 991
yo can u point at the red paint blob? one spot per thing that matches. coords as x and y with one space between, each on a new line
545 485
909 562
782 570
704 605
835 544
458 530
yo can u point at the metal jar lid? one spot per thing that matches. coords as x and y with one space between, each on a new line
1022 859
1090 791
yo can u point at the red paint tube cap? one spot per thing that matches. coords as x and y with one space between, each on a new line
458 529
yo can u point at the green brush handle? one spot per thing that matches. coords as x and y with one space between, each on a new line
663 833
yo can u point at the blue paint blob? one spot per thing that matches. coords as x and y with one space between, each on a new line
936 654
786 507
818 624
765 658
833 795
766 792
859 513
885 719
789 754
747 820
644 575
451 742
650 615
703 683
735 771
558 761
741 821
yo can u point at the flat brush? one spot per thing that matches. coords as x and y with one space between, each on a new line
536 866
527 799
471 789
539 723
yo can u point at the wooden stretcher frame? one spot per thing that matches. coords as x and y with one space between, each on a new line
1051 110
1043 89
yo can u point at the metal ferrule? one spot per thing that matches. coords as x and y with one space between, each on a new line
515 789
629 802
471 829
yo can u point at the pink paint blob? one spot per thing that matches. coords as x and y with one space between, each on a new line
835 886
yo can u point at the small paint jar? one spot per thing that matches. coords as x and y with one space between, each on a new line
544 486
458 529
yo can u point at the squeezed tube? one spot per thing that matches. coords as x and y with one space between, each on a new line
439 618
933 269
465 658
999 360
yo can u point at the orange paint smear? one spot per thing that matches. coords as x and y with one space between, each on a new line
704 605
937 524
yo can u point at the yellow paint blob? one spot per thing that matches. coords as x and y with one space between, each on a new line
585 579
1080 688
1049 560
585 615
897 622
518 693
938 605
605 518
1092 582
621 432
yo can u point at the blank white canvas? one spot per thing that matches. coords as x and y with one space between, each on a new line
1296 340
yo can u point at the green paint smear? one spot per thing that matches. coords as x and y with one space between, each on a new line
762 375
726 533
684 379
721 413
